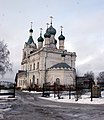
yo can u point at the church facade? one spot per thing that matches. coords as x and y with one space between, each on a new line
45 63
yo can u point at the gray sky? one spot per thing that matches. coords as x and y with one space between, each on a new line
83 22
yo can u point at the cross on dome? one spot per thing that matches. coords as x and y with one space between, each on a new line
61 28
31 24
51 30
40 39
41 31
61 37
31 30
51 19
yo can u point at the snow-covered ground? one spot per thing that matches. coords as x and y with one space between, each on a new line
84 99
30 91
4 104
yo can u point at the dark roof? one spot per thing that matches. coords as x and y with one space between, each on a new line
61 37
61 65
51 30
47 35
31 30
30 40
40 39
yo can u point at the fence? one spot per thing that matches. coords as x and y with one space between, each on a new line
57 89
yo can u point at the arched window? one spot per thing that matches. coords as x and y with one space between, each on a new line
34 66
57 81
30 67
33 79
37 81
37 65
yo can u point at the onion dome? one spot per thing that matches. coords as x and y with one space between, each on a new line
40 39
61 37
31 30
47 35
30 40
51 30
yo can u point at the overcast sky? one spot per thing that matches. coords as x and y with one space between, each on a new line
83 22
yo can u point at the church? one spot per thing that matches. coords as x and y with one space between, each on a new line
44 62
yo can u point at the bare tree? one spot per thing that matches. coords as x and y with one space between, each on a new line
5 64
100 77
89 75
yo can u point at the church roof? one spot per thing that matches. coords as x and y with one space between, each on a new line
61 37
61 65
30 40
51 30
31 30
40 39
47 35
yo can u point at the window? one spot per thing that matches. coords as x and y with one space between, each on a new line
33 79
57 81
20 82
34 66
37 65
30 67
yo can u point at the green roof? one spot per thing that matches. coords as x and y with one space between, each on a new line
61 37
61 65
47 35
30 40
40 39
51 30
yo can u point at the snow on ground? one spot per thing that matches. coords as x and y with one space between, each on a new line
7 97
30 91
5 104
84 99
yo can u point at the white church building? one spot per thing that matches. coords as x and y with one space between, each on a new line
44 62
